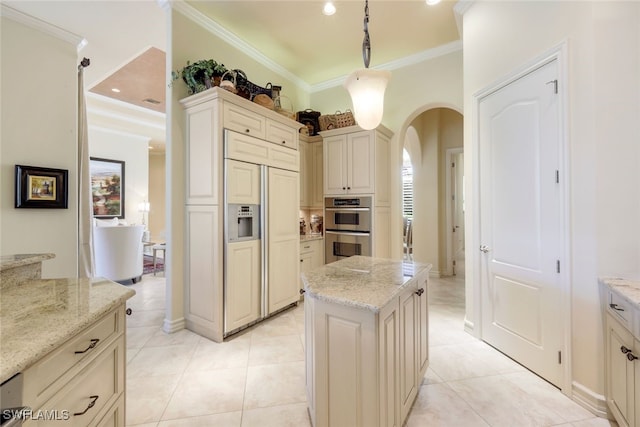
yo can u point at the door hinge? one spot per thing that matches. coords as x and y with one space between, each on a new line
557 176
559 358
558 266
555 85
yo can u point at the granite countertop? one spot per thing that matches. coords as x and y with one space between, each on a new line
308 237
12 261
363 282
627 289
40 315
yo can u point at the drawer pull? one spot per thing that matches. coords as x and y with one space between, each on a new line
302 291
94 342
616 307
420 291
91 404
624 350
284 142
631 357
247 130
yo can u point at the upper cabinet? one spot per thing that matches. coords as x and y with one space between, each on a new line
311 191
356 162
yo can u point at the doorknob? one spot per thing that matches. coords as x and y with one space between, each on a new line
484 248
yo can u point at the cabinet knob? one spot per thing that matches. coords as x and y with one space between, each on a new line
631 357
129 311
344 188
284 142
247 130
420 291
302 291
348 188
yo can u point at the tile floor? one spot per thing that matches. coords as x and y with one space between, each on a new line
257 377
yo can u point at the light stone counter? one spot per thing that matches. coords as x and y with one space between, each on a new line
37 316
362 282
627 289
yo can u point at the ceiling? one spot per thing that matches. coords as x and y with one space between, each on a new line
127 39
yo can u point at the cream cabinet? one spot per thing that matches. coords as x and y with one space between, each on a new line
311 172
82 383
622 350
311 256
371 362
243 299
357 162
220 124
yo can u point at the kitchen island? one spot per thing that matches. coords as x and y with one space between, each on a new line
66 339
366 340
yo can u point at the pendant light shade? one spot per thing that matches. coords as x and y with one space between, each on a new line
366 88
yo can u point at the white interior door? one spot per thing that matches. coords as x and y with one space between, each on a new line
520 221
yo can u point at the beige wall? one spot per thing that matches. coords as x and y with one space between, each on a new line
157 198
38 121
603 40
134 151
437 130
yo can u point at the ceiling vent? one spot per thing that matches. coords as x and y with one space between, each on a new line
151 101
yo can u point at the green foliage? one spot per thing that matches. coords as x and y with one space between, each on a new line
199 75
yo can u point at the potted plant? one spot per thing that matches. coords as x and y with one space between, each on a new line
200 75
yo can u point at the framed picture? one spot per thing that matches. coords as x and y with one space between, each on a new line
107 187
41 187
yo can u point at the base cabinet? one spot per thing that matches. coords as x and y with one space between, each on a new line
622 353
365 368
311 256
85 388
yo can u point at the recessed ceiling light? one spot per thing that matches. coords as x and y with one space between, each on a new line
116 90
432 2
329 9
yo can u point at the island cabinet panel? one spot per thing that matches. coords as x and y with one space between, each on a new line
389 365
408 352
345 371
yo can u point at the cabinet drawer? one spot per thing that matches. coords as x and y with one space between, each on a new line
115 417
103 377
284 158
246 148
620 309
244 121
47 376
282 135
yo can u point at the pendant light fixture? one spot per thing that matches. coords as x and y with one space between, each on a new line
366 86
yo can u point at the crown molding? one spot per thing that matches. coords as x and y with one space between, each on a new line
459 10
416 58
235 41
40 25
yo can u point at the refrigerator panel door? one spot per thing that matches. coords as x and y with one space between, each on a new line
283 242
242 182
242 288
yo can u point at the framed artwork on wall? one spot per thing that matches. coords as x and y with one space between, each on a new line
107 187
38 187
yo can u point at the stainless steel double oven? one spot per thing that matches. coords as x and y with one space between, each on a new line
348 225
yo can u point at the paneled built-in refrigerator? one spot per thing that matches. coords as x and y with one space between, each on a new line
261 247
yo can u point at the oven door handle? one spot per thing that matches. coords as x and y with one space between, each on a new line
348 233
348 209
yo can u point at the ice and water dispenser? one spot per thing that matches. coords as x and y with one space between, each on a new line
243 222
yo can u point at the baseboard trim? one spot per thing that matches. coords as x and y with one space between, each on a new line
171 326
468 326
593 402
435 273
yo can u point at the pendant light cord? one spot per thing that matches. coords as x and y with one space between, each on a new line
366 43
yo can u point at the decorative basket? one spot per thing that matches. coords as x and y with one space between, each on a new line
344 119
287 112
327 122
248 89
227 84
264 101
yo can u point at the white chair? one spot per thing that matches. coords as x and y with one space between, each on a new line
118 252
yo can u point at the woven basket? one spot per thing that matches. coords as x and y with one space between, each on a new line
344 119
287 112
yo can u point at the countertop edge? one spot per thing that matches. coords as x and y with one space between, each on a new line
628 289
11 367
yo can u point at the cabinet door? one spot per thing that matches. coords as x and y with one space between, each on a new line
389 350
203 271
408 354
422 318
306 264
335 165
243 284
316 182
360 166
283 239
317 256
620 372
203 156
243 182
